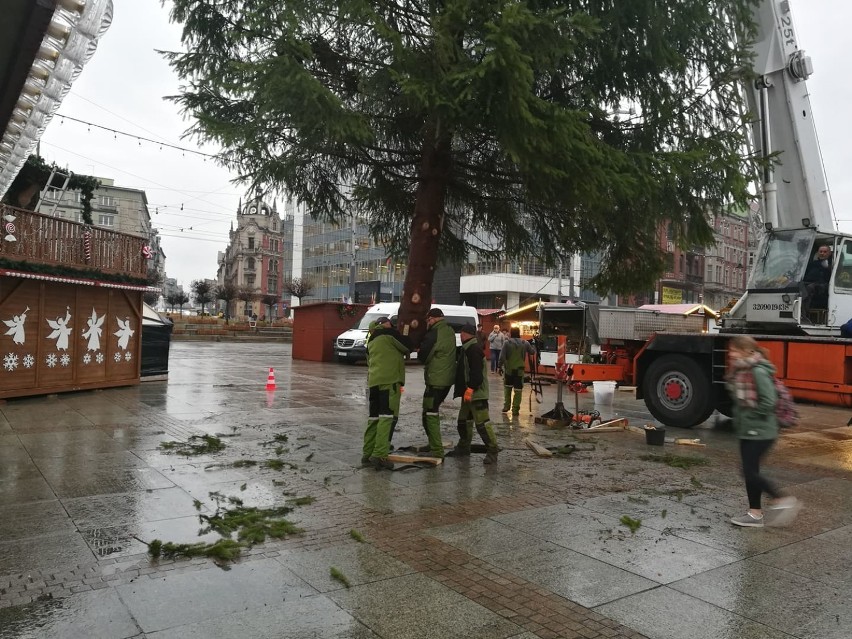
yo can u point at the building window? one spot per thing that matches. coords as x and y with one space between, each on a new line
250 280
251 242
250 263
106 200
106 220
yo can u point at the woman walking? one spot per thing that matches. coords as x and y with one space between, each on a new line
751 385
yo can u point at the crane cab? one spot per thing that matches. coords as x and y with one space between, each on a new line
792 290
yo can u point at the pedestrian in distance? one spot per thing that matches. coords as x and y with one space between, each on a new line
512 365
495 344
750 380
472 386
438 353
386 351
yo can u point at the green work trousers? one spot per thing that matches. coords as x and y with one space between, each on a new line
384 410
433 397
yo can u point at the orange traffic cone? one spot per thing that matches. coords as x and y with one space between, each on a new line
270 381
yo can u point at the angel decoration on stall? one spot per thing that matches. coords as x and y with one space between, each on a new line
61 330
16 327
124 332
93 334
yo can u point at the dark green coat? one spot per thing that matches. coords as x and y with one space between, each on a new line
438 353
471 370
514 352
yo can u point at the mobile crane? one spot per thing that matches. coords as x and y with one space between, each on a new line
680 376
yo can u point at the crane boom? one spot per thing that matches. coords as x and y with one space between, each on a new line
795 187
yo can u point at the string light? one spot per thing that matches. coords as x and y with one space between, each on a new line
139 139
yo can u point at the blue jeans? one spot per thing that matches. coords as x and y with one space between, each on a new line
495 358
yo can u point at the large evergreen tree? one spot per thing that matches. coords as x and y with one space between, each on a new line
554 126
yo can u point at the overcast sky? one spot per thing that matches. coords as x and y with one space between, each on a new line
124 85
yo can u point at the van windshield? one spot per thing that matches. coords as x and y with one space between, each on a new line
365 322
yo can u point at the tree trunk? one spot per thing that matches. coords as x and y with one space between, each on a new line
426 229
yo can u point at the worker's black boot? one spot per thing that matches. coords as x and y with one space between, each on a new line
462 449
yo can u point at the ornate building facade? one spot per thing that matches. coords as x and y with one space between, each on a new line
258 258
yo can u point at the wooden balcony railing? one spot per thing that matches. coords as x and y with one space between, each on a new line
40 239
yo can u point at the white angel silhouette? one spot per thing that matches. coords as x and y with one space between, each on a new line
61 330
16 327
124 333
94 332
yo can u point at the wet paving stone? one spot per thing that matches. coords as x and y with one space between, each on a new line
177 600
305 618
54 552
24 491
417 598
663 613
43 517
359 563
811 609
98 614
64 444
110 510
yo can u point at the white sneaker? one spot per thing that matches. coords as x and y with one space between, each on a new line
748 520
783 511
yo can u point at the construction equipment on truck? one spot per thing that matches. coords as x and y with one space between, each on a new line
681 377
796 317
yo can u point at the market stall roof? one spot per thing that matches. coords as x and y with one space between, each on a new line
681 309
43 47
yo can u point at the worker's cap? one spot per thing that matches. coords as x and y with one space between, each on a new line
468 328
435 312
383 320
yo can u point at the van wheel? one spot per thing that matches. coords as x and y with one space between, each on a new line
677 391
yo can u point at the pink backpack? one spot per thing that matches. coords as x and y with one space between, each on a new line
785 409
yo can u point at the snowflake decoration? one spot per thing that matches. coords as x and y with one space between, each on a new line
29 361
128 356
50 360
10 362
117 357
87 359
99 358
65 359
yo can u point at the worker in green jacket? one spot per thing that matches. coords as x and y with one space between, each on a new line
438 353
512 364
386 353
472 386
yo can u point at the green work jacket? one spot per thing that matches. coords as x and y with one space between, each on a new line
386 353
438 353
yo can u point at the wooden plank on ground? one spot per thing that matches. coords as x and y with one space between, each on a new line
618 424
414 459
538 449
597 430
688 442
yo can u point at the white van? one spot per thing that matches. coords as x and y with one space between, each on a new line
351 345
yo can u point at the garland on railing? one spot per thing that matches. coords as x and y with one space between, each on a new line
346 310
68 271
36 171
